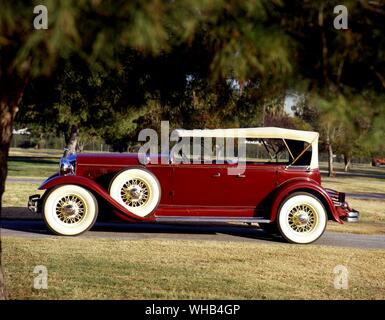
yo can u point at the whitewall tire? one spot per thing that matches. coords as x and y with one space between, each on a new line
137 190
302 218
70 210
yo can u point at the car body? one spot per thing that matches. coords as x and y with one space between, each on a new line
378 162
278 186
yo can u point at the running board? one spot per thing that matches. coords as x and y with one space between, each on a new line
211 219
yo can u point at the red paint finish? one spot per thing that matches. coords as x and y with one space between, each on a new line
94 166
201 189
250 187
201 211
307 185
286 174
197 185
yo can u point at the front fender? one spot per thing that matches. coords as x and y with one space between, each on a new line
307 185
122 212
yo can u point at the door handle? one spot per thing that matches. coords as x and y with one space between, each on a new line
241 176
216 175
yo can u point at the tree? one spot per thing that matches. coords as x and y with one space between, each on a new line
188 78
196 63
337 67
95 31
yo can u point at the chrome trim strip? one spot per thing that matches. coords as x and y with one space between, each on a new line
211 219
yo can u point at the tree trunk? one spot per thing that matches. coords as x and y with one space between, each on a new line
4 149
330 162
71 141
347 161
8 110
80 145
41 141
12 89
330 154
3 293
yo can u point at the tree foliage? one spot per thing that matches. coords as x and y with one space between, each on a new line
109 68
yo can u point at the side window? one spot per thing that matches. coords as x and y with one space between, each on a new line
301 152
266 151
256 151
279 150
204 150
194 150
223 150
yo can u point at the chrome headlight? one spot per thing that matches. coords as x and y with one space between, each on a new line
68 164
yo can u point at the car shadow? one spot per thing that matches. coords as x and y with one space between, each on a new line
33 227
122 229
236 230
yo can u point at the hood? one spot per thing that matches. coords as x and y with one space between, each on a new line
107 158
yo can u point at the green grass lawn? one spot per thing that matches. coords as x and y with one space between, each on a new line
164 269
16 194
30 152
372 219
355 184
41 167
355 168
15 200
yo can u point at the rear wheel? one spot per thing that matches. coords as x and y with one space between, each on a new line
302 218
70 210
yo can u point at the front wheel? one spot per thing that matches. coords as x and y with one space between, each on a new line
70 210
302 218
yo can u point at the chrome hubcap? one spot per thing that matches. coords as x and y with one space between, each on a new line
135 193
302 218
70 209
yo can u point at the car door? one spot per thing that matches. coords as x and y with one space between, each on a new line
249 188
254 184
197 185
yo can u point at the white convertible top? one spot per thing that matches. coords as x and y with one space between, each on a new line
263 132
310 137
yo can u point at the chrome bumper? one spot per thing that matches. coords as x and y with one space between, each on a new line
34 203
344 211
352 216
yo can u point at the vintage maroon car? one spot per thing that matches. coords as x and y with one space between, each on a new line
279 186
378 162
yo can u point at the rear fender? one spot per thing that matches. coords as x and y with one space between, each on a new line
305 185
91 185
